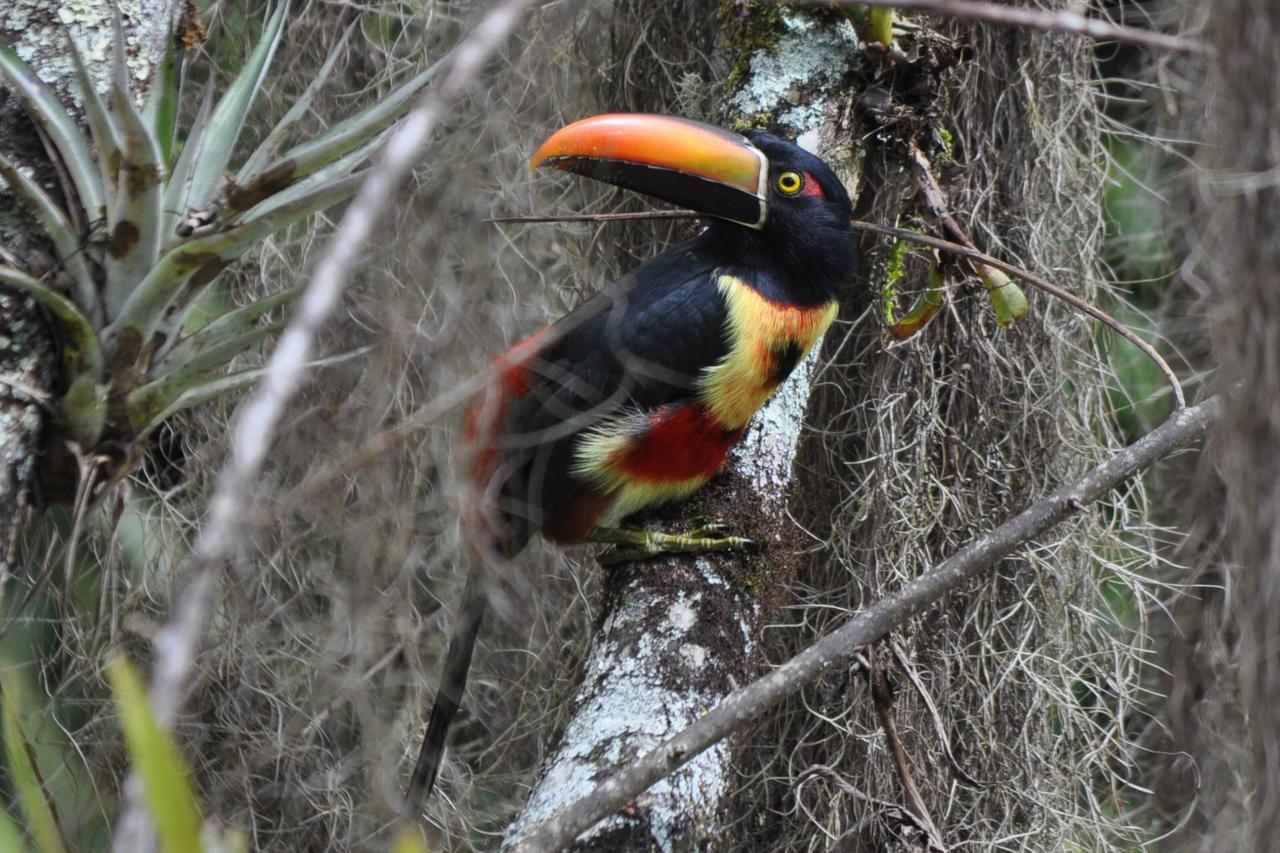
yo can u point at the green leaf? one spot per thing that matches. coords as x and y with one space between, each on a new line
166 781
410 840
925 308
10 835
66 242
178 188
25 774
276 137
219 138
202 257
228 384
46 110
106 136
1007 299
345 136
205 393
84 411
317 181
880 28
223 328
161 111
81 352
145 404
136 209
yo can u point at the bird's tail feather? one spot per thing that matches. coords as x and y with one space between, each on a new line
452 684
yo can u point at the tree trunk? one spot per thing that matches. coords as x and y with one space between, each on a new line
29 382
918 446
1218 785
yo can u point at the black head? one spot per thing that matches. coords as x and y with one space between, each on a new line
806 229
776 209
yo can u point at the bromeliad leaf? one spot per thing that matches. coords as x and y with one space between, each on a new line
56 226
46 110
224 328
10 835
229 384
161 111
136 209
318 180
228 117
178 188
275 139
106 136
143 405
171 227
345 136
25 776
199 260
201 394
81 352
84 411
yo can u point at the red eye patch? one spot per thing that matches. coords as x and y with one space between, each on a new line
812 187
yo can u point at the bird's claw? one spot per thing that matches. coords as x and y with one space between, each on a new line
632 545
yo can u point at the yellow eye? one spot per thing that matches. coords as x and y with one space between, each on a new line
789 183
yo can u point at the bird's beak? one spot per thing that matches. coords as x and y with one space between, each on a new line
685 162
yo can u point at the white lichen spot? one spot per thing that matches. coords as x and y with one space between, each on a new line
682 616
808 56
811 141
42 45
710 572
694 654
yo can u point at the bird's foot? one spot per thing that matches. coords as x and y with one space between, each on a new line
631 545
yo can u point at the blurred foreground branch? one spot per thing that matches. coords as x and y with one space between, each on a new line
842 645
176 643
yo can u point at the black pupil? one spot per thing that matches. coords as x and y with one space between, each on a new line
790 182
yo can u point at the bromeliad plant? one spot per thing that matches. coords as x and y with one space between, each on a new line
147 220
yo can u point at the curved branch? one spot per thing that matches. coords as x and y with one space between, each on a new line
1039 283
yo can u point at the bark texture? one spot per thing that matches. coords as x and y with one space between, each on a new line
1218 787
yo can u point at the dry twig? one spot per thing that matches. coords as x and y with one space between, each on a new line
882 700
1056 21
966 251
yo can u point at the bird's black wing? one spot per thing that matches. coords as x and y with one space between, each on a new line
639 344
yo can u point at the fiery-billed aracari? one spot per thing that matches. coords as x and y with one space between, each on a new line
636 396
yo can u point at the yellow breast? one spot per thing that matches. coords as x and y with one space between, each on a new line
767 339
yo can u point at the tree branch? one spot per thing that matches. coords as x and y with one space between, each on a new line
837 648
1060 21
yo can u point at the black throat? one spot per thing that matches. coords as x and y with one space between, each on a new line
797 266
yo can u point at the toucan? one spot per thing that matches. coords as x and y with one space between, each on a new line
636 396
